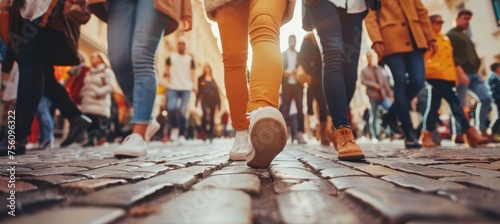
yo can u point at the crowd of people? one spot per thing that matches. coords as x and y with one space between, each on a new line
101 92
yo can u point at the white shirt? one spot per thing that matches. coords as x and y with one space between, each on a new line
10 92
34 9
353 6
291 57
180 72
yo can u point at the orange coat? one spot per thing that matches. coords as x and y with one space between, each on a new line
392 24
441 66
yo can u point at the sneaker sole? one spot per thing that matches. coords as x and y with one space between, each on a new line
237 156
129 154
268 137
352 156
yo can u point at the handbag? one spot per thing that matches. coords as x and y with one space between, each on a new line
374 4
77 11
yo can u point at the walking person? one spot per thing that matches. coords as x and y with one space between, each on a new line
379 92
339 26
494 83
96 93
292 89
46 123
442 76
260 126
55 43
135 29
180 73
310 59
208 94
467 62
401 33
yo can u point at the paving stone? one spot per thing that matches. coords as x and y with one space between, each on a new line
17 185
288 164
400 206
313 207
353 164
490 183
422 183
54 171
117 168
244 182
418 161
152 169
236 170
93 174
155 160
94 164
340 172
378 171
490 166
187 162
32 198
218 162
319 164
73 215
130 176
88 186
343 183
139 164
55 179
471 170
183 178
424 171
238 163
205 206
285 186
484 200
18 169
122 196
292 173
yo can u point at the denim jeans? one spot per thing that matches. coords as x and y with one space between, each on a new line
135 29
340 36
408 72
478 90
36 78
289 93
45 120
443 89
177 110
375 128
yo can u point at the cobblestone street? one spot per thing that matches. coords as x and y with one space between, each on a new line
305 184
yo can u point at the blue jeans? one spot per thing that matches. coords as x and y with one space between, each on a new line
386 104
135 29
340 34
177 111
408 72
45 120
478 90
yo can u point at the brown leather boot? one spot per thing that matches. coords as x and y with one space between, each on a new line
473 138
346 145
426 139
324 136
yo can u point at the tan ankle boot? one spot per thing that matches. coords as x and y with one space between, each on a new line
346 145
473 138
426 139
324 136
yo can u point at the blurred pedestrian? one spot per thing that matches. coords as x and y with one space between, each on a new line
494 83
96 93
208 94
379 92
339 26
260 126
292 89
467 64
180 73
135 28
54 43
401 33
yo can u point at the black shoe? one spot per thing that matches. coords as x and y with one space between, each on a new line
77 125
45 145
88 144
392 121
411 142
19 148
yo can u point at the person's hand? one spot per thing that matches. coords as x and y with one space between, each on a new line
379 49
187 24
433 48
286 74
377 87
195 89
463 79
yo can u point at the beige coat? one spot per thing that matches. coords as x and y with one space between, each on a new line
392 24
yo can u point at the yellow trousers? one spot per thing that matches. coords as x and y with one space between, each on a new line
260 20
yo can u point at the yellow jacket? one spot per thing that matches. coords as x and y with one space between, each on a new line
441 66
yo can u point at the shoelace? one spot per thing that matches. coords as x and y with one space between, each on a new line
251 115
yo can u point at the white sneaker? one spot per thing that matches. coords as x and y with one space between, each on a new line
133 146
31 146
268 136
152 129
174 134
240 146
182 140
